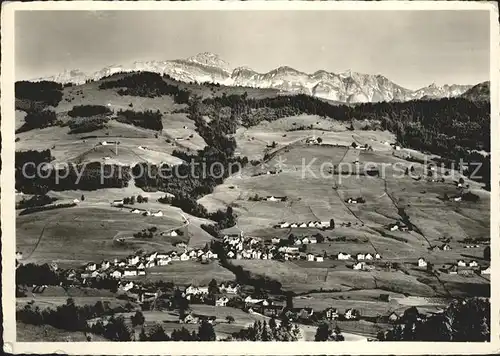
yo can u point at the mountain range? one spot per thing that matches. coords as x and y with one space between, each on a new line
348 86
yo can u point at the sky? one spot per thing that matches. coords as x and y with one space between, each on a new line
411 48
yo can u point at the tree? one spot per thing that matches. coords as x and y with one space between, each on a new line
157 333
230 319
319 140
140 199
137 318
265 333
272 324
487 253
322 333
289 300
461 180
206 331
338 334
117 330
82 198
213 288
142 335
332 224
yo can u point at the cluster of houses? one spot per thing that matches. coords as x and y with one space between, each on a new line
359 200
119 203
461 267
273 172
136 265
313 224
398 226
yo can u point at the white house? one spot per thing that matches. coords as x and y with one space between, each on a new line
19 255
105 265
394 227
230 254
303 225
117 203
163 261
275 240
377 256
162 255
132 260
192 254
486 270
360 256
311 224
184 257
127 286
343 256
461 263
116 274
157 213
141 271
272 198
312 240
294 225
136 211
350 314
457 198
250 300
310 257
221 302
298 242
76 201
130 272
368 256
422 262
319 258
473 264
358 266
305 240
284 225
173 233
91 266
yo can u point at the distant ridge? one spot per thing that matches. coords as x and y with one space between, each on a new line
347 86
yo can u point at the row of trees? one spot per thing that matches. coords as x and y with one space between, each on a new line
146 84
67 316
89 110
282 331
147 119
46 92
463 320
34 176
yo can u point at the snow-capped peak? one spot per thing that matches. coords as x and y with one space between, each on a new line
210 60
347 86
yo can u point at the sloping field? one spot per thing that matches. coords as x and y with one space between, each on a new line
300 279
75 236
188 272
47 333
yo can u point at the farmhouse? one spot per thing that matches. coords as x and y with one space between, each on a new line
117 203
126 286
368 256
473 263
130 272
343 256
445 247
184 257
105 265
461 263
359 266
189 319
221 302
487 270
284 225
229 289
303 225
377 256
294 225
360 256
157 213
19 255
358 200
331 313
312 240
310 257
319 258
273 198
351 314
275 240
163 261
91 266
137 211
196 290
422 262
132 260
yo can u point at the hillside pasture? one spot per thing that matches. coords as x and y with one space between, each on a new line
75 236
